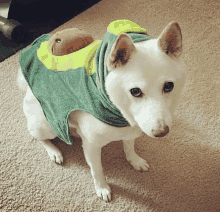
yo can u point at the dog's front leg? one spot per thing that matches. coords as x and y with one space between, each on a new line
136 161
93 158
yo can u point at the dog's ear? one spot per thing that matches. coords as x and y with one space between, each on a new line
170 40
121 52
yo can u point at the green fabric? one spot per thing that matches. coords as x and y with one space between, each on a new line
61 92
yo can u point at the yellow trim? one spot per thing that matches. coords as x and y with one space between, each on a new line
121 26
82 58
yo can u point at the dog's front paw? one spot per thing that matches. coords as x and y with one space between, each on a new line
138 163
104 192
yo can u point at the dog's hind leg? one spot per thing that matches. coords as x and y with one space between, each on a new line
53 152
137 162
21 82
38 126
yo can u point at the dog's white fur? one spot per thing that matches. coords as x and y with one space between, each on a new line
146 65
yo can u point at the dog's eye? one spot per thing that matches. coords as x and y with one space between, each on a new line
136 92
168 86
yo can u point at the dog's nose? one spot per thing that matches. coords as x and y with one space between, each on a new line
161 133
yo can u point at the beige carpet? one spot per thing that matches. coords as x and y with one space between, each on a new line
185 165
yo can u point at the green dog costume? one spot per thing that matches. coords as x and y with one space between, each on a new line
75 81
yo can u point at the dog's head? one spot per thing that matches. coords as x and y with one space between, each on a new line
145 79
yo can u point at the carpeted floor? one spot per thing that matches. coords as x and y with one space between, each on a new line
185 165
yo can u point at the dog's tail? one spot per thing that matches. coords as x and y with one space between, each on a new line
21 82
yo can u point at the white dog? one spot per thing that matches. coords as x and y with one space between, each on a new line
144 83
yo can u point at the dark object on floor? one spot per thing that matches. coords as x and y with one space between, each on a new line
39 17
12 29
